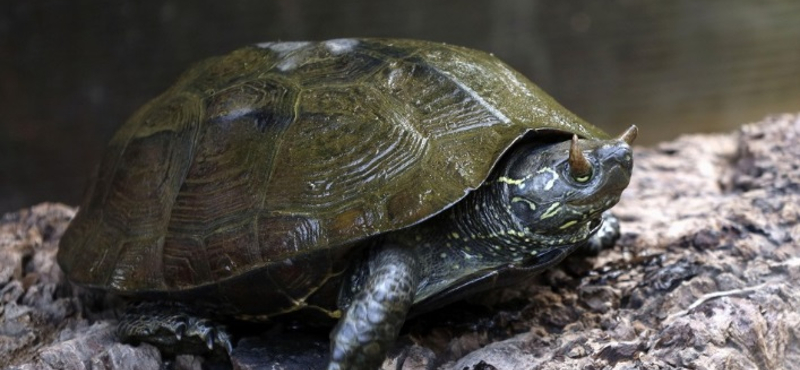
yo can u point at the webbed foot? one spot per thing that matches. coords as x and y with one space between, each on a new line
175 329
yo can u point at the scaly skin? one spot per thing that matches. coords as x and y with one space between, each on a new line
480 235
374 318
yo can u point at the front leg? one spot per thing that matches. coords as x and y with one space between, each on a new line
374 315
606 237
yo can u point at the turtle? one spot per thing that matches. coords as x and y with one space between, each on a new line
355 182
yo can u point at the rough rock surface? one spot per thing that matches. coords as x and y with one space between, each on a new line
706 276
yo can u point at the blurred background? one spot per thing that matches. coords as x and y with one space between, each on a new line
72 71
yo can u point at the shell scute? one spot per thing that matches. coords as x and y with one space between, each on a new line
185 262
281 237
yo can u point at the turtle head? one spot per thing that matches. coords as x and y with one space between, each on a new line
562 189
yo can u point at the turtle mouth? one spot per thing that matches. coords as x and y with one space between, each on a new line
594 226
591 227
588 230
577 235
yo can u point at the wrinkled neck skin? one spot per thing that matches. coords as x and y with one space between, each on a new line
477 233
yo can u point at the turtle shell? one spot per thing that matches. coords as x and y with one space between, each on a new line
280 157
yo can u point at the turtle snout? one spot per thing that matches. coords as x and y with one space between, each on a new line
618 152
618 161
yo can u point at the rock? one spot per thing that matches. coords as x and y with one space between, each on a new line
95 348
42 323
705 276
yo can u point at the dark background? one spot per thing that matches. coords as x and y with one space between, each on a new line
73 71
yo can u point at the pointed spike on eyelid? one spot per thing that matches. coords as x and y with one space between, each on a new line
629 135
578 165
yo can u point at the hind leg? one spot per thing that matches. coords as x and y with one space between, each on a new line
175 329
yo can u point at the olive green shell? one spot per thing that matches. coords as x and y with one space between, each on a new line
282 150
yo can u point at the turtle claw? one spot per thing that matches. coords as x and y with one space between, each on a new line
223 339
214 336
174 329
179 330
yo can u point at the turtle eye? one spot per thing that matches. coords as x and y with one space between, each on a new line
580 169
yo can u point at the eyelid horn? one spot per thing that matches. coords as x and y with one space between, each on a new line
579 166
629 135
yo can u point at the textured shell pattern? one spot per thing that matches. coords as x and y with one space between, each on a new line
277 150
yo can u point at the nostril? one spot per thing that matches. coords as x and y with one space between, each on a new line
620 153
